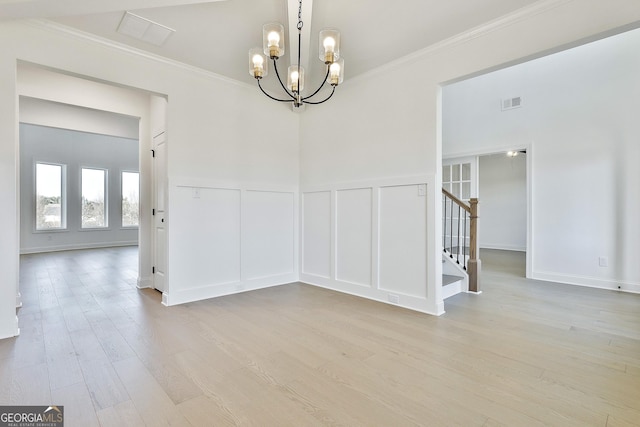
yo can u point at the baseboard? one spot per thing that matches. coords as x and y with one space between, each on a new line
76 246
14 333
145 282
423 305
500 247
183 296
451 289
589 282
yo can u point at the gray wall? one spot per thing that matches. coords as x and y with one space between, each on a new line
75 150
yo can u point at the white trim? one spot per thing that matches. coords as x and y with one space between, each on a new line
144 282
366 184
503 247
487 151
77 246
586 281
529 249
16 331
230 185
18 300
464 37
452 289
519 15
183 296
59 28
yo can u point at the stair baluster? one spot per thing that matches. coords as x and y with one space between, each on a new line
470 263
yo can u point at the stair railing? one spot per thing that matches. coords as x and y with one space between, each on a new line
460 235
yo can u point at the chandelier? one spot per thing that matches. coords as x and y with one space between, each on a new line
273 48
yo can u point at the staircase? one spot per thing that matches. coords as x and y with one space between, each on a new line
461 266
452 285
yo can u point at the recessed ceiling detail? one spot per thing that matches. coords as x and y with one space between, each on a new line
144 29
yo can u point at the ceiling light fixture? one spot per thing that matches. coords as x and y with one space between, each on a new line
273 48
516 153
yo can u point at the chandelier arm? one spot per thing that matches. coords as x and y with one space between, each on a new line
280 80
275 99
324 100
321 86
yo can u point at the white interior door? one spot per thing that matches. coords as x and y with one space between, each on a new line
160 224
460 177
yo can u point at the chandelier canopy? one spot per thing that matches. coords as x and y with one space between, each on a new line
273 48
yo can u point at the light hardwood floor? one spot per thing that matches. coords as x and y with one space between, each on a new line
523 353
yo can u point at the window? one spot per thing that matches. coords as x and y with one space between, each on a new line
130 198
94 207
50 212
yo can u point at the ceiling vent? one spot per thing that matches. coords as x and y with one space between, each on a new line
511 103
144 29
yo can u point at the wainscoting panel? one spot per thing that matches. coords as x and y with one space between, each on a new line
403 247
227 238
370 239
267 234
207 252
354 239
316 233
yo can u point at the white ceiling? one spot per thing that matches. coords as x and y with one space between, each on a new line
216 35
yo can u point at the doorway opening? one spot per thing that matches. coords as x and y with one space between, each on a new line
77 110
500 181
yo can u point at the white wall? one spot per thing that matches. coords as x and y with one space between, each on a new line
220 135
386 126
75 150
64 116
580 117
503 208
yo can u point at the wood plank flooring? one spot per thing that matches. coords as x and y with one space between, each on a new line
524 353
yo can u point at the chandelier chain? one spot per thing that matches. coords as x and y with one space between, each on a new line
300 24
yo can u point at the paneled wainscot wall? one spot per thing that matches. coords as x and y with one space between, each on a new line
229 238
368 240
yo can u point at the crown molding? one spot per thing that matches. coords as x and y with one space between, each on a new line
504 21
519 15
48 25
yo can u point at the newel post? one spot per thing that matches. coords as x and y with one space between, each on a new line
474 264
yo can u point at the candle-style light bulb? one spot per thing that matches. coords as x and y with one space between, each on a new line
258 65
273 38
329 44
274 41
334 74
295 78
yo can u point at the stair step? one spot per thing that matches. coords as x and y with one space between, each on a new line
448 279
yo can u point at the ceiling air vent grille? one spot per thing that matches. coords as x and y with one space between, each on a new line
511 103
144 29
